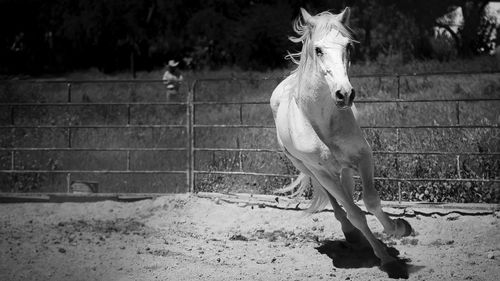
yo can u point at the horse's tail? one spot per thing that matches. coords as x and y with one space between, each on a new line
320 197
301 183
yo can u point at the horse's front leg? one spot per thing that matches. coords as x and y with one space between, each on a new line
398 227
351 233
356 216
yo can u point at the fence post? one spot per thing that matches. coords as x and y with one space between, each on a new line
12 116
397 136
240 160
459 174
12 160
68 182
128 113
69 128
69 137
397 167
190 135
69 92
128 160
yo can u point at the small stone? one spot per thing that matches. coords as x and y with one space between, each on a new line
62 250
491 256
238 237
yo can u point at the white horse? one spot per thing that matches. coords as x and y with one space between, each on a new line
317 130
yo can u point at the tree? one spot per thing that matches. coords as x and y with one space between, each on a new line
473 12
469 36
261 40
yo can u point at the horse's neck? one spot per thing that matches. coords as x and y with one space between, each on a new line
314 98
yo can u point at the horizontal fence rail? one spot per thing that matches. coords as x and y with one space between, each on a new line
374 152
362 127
189 126
235 173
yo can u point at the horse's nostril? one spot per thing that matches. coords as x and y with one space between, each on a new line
339 95
353 95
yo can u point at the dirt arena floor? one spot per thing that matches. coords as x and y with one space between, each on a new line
185 237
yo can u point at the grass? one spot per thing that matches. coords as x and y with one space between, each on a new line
410 166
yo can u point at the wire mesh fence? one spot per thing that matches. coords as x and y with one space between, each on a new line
428 131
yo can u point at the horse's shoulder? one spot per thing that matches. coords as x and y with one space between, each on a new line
283 91
301 133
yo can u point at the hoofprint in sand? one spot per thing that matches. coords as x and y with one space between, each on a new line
185 237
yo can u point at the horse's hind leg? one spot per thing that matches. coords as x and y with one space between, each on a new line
398 227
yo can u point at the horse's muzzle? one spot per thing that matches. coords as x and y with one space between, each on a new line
343 100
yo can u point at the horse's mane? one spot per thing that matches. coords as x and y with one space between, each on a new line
323 23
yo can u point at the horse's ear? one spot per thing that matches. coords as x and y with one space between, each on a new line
344 16
306 16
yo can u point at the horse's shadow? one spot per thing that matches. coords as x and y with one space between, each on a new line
347 255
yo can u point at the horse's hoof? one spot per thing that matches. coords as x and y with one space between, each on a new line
403 228
396 269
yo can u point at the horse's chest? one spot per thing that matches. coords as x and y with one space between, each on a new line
300 138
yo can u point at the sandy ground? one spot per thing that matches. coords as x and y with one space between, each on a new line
184 237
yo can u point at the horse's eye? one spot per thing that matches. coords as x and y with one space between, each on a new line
318 51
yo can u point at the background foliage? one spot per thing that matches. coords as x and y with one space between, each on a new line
63 35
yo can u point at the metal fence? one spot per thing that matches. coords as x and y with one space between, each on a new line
190 127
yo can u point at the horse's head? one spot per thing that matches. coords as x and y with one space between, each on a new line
327 44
